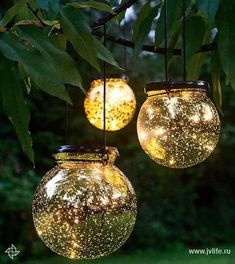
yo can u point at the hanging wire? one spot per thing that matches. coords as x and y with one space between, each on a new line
166 43
66 120
104 97
184 43
124 47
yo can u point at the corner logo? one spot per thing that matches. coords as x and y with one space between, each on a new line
12 251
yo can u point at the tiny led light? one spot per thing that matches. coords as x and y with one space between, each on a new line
82 208
178 127
120 103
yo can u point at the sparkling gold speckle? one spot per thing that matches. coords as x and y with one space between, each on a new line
178 129
120 104
84 210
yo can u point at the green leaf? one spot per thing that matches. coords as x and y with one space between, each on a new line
26 78
215 77
173 40
58 58
39 70
15 106
79 34
24 13
11 13
52 7
143 14
104 54
174 9
225 21
195 63
159 33
209 8
195 32
144 29
48 4
59 41
93 4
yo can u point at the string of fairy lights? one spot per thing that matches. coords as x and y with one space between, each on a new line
85 207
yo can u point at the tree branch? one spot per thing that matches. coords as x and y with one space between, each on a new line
151 48
124 42
35 13
117 10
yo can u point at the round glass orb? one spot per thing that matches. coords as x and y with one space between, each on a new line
178 125
83 208
120 103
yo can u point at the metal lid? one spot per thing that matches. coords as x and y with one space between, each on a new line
178 85
77 153
112 76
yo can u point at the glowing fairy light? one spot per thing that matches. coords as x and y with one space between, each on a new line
120 103
184 129
83 208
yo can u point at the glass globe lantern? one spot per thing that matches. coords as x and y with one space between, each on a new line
120 102
83 208
178 125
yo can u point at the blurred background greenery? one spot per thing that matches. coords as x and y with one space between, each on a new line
177 209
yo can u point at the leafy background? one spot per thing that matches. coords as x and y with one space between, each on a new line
40 58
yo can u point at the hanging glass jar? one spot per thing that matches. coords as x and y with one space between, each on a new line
84 208
120 102
178 125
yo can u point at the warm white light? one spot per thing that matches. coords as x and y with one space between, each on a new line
120 103
83 209
208 115
179 128
195 118
160 131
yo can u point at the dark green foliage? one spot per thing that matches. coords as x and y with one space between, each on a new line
41 53
209 8
194 37
194 206
14 105
36 35
78 33
63 63
143 26
226 38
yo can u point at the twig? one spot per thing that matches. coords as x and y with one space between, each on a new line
152 48
124 42
117 10
35 13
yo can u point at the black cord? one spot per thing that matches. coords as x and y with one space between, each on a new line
124 47
104 97
66 120
166 44
184 43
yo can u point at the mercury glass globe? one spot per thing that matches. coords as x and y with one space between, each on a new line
178 125
120 102
84 208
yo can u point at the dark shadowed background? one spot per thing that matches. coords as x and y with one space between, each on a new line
177 209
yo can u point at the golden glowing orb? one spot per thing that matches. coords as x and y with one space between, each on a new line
83 208
120 103
178 125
